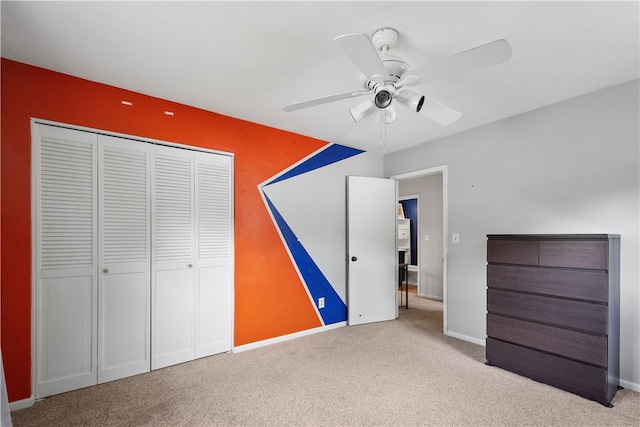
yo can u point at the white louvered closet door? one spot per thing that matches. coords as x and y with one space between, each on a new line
214 231
173 257
133 257
125 262
65 258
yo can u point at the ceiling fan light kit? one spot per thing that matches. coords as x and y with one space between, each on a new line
385 76
389 115
411 99
384 95
361 110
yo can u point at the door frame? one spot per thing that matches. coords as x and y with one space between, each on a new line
445 228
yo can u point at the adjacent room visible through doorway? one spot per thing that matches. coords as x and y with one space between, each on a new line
426 250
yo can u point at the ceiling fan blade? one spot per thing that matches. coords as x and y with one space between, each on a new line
359 49
407 80
486 55
325 100
439 112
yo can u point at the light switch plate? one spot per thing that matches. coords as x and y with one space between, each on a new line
455 238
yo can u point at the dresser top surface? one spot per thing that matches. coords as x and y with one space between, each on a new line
552 236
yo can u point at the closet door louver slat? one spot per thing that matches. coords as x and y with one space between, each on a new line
66 204
214 233
125 207
173 208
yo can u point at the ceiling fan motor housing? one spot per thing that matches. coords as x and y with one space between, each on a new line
395 66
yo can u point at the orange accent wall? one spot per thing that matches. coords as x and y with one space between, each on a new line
270 300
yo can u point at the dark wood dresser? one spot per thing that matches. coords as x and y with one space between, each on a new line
553 310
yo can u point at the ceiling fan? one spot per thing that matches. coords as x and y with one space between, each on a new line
388 76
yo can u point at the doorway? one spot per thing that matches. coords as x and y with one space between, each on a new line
430 187
408 246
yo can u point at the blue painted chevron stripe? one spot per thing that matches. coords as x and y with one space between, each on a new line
333 153
335 309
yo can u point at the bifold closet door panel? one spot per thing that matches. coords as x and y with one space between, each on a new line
173 257
125 261
214 231
65 258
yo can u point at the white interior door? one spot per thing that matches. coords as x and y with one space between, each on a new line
65 259
371 250
173 254
125 244
214 263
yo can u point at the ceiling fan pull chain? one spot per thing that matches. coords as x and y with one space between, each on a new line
381 120
384 150
383 130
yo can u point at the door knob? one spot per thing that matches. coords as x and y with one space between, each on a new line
353 258
106 270
190 265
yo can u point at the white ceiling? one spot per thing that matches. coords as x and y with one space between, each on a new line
248 59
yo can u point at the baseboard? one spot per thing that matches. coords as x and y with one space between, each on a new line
22 404
629 385
466 338
433 297
288 337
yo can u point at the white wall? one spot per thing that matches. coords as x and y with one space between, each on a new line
429 188
314 205
572 167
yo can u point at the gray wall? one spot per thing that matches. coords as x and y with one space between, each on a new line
429 188
572 167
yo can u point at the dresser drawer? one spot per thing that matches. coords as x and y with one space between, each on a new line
563 342
590 254
589 317
590 285
579 378
524 252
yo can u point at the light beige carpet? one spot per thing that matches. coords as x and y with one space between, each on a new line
403 372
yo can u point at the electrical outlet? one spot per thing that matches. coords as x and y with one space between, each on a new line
427 237
321 302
